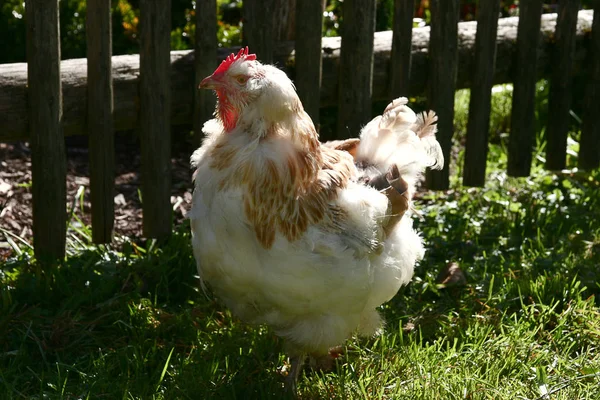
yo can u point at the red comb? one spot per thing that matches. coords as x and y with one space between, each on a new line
242 54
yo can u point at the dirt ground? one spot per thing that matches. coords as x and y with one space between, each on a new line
15 186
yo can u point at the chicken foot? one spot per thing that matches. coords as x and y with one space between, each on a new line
396 189
315 361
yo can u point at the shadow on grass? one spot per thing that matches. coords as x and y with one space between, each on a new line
130 322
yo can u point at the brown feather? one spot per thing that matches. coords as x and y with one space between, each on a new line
426 124
291 198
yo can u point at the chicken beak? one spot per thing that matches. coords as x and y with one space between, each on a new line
209 83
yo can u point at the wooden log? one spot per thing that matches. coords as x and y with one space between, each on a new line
522 131
480 104
400 58
13 77
100 120
48 159
155 111
589 146
443 52
559 98
356 66
259 30
205 62
308 55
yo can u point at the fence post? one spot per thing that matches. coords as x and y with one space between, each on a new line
559 99
443 53
100 119
478 125
404 11
356 66
155 116
309 26
589 146
522 122
48 160
259 32
205 61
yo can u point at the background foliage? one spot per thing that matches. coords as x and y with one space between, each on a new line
126 13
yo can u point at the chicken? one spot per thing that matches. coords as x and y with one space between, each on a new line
307 238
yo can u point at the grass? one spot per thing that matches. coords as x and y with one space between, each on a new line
130 322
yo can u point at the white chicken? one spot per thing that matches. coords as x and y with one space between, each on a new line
305 237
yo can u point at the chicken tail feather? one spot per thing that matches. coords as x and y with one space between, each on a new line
402 138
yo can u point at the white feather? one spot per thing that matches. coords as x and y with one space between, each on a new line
393 139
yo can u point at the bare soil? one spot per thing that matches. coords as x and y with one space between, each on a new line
15 186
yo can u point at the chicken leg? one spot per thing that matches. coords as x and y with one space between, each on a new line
396 189
292 378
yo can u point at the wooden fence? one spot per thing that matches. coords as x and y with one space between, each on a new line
360 61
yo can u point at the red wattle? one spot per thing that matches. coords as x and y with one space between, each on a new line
226 112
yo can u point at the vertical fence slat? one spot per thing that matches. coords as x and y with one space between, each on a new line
559 99
100 119
205 61
155 113
443 52
522 130
401 47
356 66
309 22
589 146
481 93
258 30
48 159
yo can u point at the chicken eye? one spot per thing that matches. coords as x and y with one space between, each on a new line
241 79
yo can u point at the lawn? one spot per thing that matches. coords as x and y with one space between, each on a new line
129 320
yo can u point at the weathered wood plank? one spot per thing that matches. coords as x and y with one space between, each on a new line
401 47
259 30
522 131
356 66
443 52
480 104
205 62
284 20
100 119
559 98
589 146
13 77
309 15
155 111
48 160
